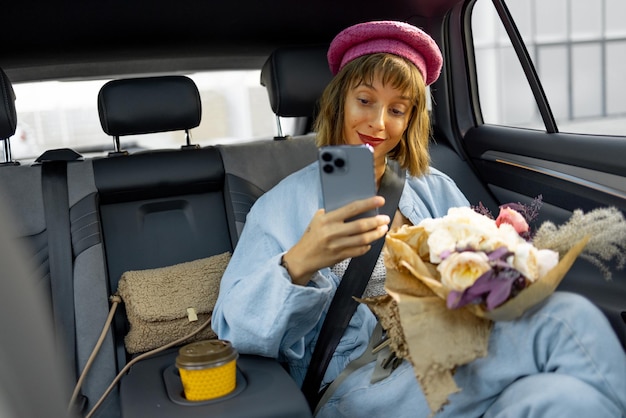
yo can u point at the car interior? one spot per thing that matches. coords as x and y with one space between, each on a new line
79 222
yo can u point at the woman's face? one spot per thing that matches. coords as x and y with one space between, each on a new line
376 115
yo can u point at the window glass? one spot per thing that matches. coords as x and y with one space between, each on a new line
586 84
52 114
614 12
553 65
578 48
586 19
504 93
615 69
550 20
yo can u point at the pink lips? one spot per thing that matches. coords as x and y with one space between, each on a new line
369 140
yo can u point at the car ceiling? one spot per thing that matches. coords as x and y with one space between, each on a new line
94 39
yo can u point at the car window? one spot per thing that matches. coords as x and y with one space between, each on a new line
64 114
579 52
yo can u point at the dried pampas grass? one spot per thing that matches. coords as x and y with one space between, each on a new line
606 228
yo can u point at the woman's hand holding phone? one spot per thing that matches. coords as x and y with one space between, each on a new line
329 239
350 221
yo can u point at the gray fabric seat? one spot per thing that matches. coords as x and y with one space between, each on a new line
30 229
160 208
294 79
32 363
163 207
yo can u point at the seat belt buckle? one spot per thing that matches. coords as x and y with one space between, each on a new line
386 361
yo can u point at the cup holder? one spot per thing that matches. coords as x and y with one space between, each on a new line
175 392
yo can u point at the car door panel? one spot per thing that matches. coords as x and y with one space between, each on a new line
570 172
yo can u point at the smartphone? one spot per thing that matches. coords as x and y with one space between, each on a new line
347 174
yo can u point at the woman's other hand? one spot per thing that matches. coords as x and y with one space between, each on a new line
329 239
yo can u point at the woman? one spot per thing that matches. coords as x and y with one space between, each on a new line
291 256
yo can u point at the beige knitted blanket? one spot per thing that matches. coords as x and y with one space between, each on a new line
161 302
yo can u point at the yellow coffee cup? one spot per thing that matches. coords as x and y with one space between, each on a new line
208 369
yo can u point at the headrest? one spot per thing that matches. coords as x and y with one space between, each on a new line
146 105
8 115
295 79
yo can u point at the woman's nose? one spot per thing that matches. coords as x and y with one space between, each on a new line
377 120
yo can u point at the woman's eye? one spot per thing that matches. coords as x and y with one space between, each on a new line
363 101
397 112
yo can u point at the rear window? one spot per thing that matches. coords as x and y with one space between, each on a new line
64 114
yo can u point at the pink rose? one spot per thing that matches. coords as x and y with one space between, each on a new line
514 218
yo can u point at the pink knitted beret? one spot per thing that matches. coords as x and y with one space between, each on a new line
393 37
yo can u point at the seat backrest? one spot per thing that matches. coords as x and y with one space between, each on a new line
158 208
161 208
295 79
253 168
88 277
34 381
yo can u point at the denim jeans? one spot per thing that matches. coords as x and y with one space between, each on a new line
560 359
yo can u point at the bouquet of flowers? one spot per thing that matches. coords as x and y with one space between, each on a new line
449 278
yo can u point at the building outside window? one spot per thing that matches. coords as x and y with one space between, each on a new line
578 48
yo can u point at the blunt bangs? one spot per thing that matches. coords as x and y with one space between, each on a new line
392 70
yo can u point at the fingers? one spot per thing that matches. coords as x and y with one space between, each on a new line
348 246
341 240
329 239
339 234
356 208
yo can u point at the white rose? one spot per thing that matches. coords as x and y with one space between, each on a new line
524 260
532 262
547 260
440 242
468 215
460 270
504 236
461 228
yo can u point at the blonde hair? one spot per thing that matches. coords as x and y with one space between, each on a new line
411 153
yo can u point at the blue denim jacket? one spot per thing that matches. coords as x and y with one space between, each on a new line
261 312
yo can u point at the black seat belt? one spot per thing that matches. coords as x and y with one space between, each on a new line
353 284
57 214
55 196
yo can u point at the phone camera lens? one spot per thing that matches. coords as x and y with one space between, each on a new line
328 168
340 162
327 156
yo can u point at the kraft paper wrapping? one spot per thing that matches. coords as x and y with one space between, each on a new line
432 337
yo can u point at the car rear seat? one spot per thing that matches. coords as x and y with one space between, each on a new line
165 207
139 211
22 193
156 207
255 167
